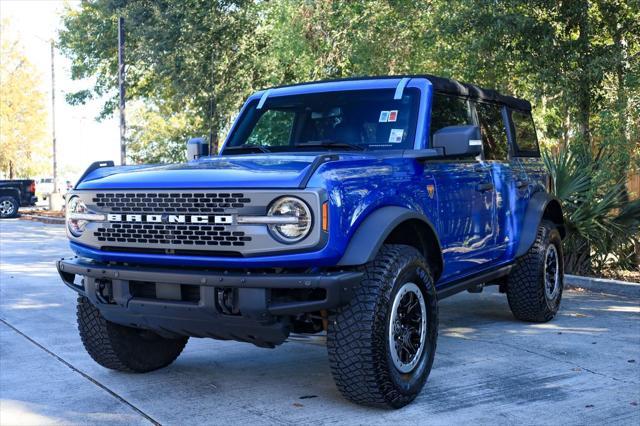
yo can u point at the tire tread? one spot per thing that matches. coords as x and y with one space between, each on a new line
112 345
351 343
525 290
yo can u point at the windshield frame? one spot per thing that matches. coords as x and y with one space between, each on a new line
418 127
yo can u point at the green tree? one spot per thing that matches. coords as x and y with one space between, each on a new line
159 136
568 57
192 55
23 144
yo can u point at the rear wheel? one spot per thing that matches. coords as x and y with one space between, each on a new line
381 346
123 348
534 286
8 207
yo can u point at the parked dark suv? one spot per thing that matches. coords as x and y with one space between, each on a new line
15 194
346 207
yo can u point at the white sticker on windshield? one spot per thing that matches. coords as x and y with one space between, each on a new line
384 117
396 135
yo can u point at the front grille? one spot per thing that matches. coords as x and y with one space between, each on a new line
173 202
178 235
187 222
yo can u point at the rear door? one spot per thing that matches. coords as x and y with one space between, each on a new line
525 159
465 197
509 177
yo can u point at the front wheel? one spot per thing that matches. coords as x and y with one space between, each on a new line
123 348
381 346
534 286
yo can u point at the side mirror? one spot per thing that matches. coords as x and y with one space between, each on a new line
196 148
458 141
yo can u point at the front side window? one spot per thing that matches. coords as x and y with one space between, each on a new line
525 133
493 130
449 111
358 119
272 129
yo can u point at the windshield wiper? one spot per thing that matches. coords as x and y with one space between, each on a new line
330 144
250 148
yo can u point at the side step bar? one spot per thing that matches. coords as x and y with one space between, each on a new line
472 282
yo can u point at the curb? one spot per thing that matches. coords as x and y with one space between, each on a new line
43 219
601 285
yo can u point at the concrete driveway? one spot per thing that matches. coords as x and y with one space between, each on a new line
582 368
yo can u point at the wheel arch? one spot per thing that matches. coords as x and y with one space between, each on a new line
542 206
394 225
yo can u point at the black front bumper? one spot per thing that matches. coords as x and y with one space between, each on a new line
187 302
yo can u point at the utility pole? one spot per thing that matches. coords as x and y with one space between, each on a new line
121 85
53 120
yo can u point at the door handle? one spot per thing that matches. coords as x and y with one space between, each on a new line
482 187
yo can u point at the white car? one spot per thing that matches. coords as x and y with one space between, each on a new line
44 187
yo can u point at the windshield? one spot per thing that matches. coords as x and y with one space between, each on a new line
347 120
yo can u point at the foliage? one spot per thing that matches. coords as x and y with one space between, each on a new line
159 136
23 147
192 55
603 225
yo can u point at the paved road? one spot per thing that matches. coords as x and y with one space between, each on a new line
582 368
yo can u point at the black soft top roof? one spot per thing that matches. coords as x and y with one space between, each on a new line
448 86
453 87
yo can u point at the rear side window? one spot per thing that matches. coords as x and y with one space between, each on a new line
493 130
525 133
449 111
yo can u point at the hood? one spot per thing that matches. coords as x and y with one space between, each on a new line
238 171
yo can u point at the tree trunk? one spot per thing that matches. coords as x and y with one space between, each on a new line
10 169
622 98
584 79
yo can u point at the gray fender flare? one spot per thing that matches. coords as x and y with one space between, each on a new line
374 230
541 205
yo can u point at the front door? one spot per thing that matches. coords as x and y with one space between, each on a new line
466 211
465 194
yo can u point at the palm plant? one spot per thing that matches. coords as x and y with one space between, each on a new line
603 225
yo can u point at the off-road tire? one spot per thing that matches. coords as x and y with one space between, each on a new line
526 282
12 203
123 348
357 336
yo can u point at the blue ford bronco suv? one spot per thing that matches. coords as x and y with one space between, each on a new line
346 207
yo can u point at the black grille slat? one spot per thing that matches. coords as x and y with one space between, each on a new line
170 203
179 234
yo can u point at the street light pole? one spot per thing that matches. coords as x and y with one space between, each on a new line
121 86
53 120
55 198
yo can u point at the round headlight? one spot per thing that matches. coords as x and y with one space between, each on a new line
299 224
76 226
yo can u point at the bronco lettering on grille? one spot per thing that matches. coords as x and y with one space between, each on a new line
171 218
